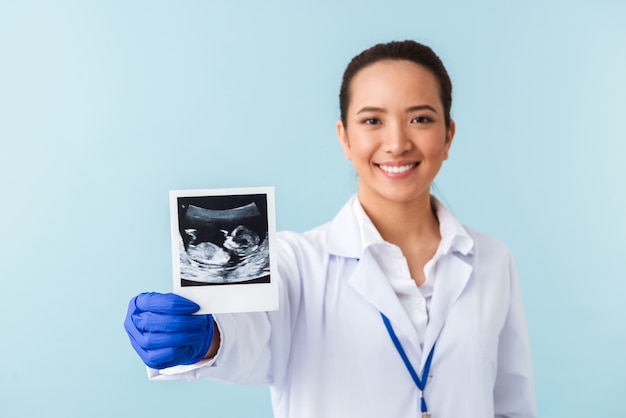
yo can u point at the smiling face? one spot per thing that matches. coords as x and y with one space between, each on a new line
395 132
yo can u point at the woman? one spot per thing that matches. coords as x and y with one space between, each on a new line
393 309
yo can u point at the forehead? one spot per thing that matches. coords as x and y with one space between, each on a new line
395 81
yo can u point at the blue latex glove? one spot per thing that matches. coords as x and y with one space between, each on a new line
164 331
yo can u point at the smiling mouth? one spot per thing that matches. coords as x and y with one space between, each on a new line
397 169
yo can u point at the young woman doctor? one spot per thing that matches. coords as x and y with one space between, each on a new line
393 309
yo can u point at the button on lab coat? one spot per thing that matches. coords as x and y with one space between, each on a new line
326 353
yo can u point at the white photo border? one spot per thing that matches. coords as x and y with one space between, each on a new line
235 297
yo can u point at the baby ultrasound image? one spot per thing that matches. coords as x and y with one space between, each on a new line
223 245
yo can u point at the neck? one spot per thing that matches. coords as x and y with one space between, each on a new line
403 223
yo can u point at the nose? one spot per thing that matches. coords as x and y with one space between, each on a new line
397 141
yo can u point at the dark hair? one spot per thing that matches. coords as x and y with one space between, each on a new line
398 50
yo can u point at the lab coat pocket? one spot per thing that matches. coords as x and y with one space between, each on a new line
483 372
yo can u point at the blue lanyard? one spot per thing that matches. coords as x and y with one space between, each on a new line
419 383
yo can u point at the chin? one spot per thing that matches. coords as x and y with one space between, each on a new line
395 196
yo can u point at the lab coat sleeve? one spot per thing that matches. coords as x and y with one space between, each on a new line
250 340
514 391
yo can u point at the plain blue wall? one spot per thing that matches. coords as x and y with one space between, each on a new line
105 106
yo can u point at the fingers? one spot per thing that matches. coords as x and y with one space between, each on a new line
154 340
164 332
160 350
165 303
162 358
167 330
154 322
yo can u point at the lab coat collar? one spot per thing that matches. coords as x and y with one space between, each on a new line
454 236
345 239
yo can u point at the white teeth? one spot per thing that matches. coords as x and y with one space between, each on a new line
393 169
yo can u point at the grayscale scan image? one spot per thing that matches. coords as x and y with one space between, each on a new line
223 240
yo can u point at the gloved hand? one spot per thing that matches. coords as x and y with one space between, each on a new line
164 332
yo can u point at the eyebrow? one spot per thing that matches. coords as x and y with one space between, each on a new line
408 109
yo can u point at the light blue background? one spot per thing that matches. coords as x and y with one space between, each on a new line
105 106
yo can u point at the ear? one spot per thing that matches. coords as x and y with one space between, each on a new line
342 134
449 137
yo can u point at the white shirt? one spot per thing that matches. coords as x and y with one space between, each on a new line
326 353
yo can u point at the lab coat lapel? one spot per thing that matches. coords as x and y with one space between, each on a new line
370 282
452 276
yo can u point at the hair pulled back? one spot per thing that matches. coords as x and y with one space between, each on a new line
398 50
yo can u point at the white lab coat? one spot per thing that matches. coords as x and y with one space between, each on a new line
326 352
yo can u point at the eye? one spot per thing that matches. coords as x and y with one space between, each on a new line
421 119
371 121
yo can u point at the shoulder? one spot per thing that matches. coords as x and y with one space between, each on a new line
488 245
492 258
310 242
340 236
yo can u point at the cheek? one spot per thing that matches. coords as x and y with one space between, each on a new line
360 145
362 153
435 146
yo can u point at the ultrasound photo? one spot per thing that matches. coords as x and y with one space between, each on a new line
223 240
